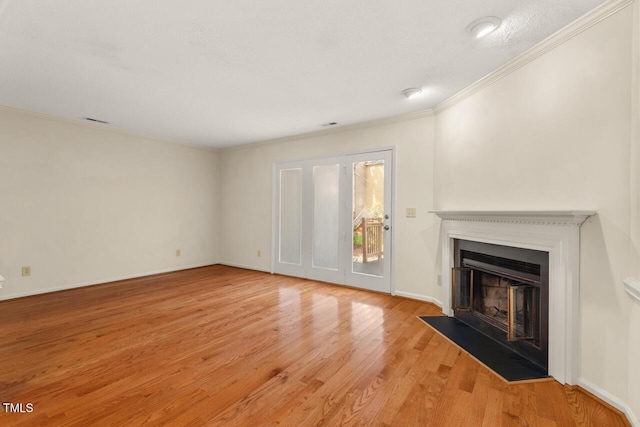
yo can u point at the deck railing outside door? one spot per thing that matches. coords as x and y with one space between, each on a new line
371 238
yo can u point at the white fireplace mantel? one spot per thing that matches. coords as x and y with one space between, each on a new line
555 232
528 217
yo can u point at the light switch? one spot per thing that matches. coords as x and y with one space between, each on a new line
411 212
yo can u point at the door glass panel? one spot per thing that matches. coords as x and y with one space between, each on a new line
368 218
326 211
290 215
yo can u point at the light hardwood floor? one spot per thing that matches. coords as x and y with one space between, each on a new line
225 346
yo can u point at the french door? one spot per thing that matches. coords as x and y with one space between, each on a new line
332 219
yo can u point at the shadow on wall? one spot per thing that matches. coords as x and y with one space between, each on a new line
431 233
604 309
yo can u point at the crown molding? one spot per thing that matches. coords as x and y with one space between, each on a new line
561 36
578 26
574 218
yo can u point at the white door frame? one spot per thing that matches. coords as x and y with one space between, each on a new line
277 165
363 280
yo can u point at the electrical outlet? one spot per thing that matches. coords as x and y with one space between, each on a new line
259 252
26 270
178 252
411 212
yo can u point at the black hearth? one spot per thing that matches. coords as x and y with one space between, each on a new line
503 292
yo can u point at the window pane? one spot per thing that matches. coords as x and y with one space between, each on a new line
290 215
326 198
368 217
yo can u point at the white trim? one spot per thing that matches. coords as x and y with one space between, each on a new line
245 267
581 24
611 400
554 40
559 37
419 297
524 217
274 216
544 233
394 203
632 287
103 281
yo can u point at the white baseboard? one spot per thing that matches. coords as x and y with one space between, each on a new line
419 297
102 281
610 399
246 267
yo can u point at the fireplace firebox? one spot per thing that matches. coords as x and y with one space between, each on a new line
503 292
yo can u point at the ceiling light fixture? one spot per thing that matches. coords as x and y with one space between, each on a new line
483 26
411 92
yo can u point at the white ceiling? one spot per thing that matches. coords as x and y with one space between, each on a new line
223 73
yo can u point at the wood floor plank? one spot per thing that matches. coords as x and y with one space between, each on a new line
225 346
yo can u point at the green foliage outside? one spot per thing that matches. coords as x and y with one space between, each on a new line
357 238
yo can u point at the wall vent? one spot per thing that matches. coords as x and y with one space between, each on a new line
90 119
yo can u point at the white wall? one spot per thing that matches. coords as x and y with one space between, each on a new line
555 134
82 203
633 365
246 195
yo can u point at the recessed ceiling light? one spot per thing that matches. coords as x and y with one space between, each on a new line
483 26
411 92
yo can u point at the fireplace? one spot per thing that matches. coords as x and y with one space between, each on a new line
503 292
556 233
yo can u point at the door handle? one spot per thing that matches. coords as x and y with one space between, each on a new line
386 227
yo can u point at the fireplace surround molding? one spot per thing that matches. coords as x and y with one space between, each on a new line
555 232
